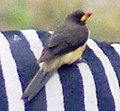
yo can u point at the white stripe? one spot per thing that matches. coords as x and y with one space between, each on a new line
116 47
89 88
53 87
10 74
54 94
34 41
110 73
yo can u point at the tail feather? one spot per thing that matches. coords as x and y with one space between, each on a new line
37 83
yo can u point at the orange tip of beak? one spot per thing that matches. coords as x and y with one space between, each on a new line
88 14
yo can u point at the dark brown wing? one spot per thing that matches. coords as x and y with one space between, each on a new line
67 45
45 55
64 42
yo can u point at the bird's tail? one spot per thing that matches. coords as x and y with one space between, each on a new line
36 84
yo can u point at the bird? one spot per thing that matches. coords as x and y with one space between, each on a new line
65 47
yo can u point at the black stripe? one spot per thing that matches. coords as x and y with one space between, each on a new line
44 36
113 57
3 95
26 67
72 85
104 96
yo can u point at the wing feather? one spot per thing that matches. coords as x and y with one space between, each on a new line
64 41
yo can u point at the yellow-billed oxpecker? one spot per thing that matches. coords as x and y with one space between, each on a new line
66 46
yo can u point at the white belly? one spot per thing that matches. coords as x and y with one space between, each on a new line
73 56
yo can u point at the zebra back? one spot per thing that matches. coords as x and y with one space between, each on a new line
91 86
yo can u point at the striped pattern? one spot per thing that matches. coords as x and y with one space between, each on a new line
91 86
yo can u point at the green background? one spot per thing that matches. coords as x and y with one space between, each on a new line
48 14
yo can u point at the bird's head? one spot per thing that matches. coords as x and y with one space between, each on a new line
78 17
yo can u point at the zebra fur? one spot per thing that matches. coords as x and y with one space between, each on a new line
91 86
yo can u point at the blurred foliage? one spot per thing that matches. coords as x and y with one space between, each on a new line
48 14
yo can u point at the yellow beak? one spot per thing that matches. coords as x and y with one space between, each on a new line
86 16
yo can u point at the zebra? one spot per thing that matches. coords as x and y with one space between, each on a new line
93 85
